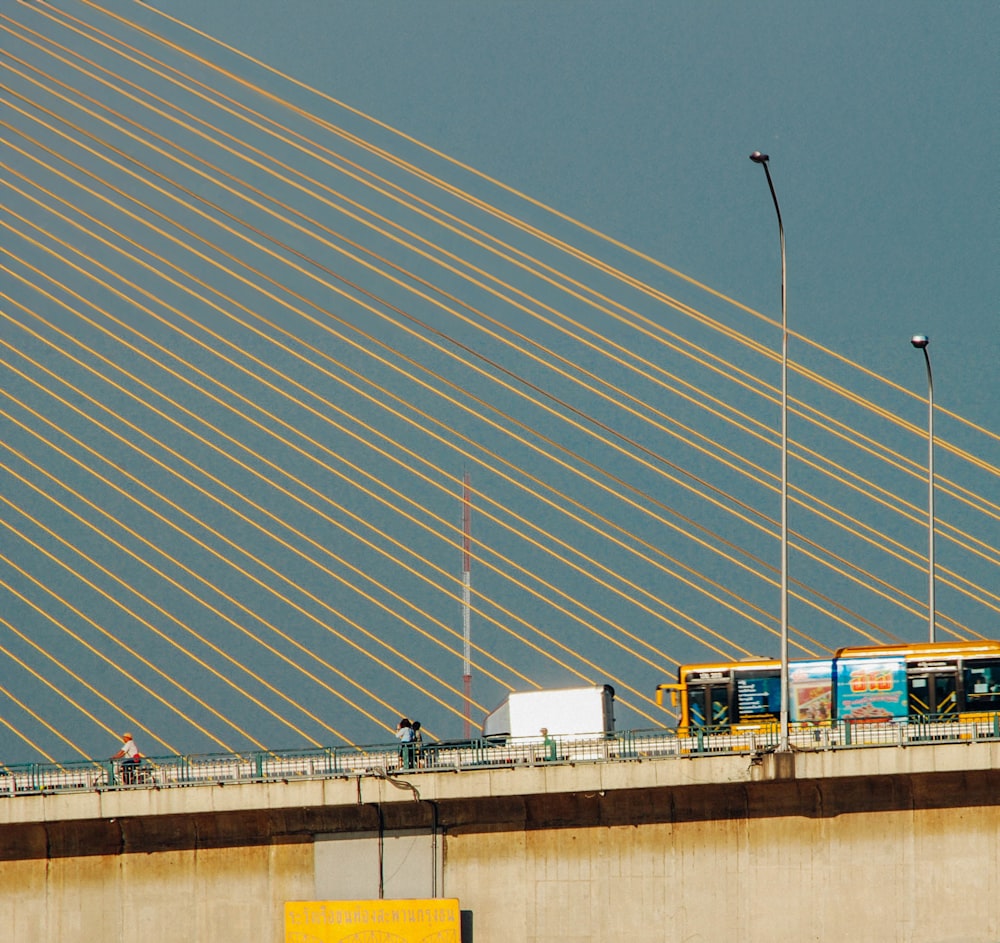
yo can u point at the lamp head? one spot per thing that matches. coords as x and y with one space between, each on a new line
759 158
920 341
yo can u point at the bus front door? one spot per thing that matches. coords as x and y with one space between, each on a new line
708 705
932 693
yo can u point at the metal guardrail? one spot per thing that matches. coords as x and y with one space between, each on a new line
384 760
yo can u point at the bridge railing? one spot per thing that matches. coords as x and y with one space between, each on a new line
394 760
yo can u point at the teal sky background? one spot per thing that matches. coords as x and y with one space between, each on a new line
637 119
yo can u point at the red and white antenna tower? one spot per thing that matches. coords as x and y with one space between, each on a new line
467 603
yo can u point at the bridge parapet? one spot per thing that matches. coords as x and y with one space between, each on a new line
733 772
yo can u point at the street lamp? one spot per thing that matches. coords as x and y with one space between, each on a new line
920 341
783 746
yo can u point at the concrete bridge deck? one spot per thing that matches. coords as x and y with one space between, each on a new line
877 844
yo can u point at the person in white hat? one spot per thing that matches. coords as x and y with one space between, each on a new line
130 758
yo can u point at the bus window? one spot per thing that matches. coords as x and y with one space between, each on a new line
720 710
982 685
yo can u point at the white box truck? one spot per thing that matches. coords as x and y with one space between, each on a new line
564 712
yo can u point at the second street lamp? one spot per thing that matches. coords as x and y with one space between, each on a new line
783 746
920 341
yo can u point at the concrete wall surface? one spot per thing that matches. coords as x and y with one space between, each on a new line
869 878
873 845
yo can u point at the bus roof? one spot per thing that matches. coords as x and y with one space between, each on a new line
922 649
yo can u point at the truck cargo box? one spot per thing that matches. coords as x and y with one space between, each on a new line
563 712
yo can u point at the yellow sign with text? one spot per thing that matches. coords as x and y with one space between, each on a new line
372 921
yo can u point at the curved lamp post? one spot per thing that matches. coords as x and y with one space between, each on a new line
920 341
783 746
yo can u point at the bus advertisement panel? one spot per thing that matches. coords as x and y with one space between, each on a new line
810 691
758 694
870 690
